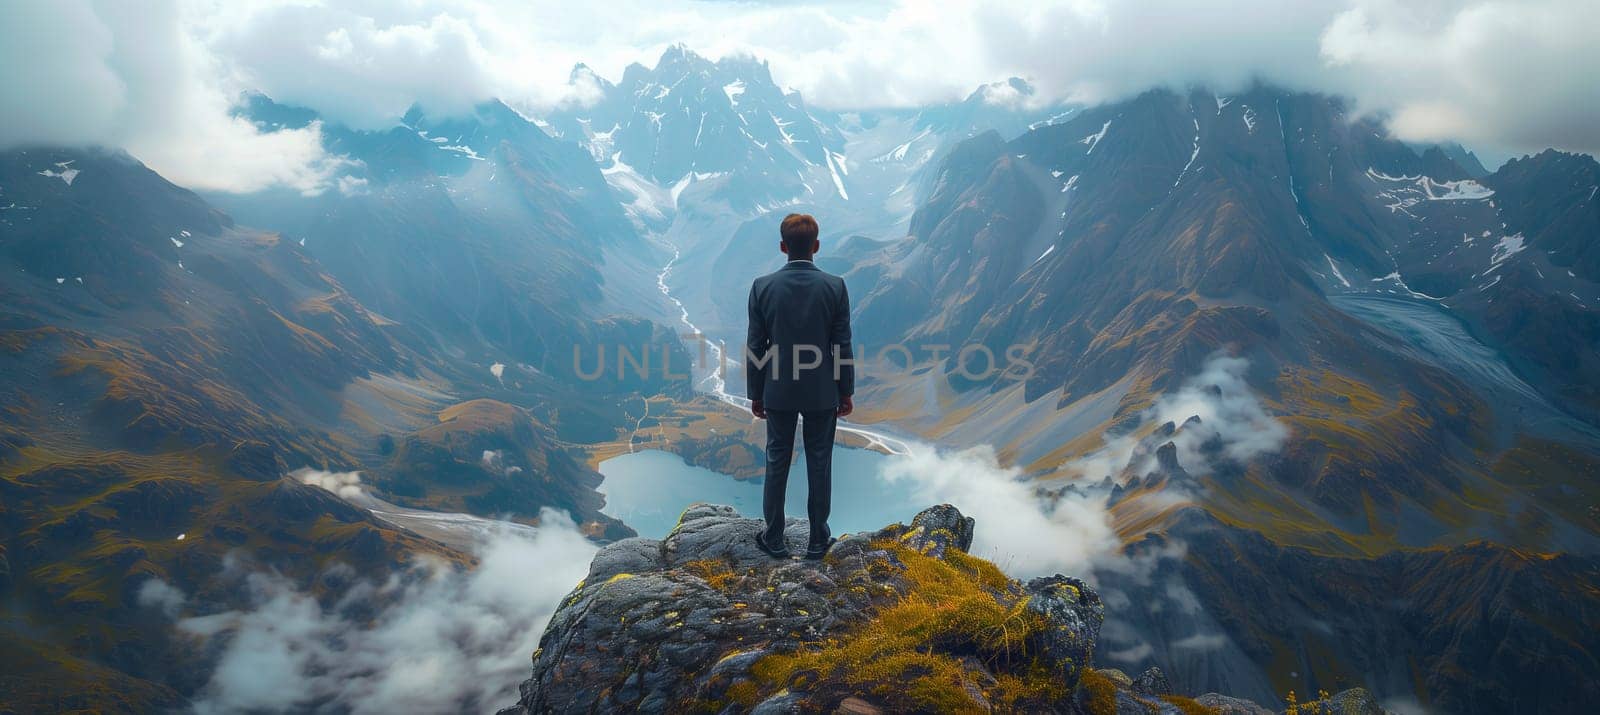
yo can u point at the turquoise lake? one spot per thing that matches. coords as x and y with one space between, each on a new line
649 489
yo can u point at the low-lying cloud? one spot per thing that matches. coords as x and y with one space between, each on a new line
1031 531
1231 418
1233 426
431 639
162 596
1018 528
347 485
1064 525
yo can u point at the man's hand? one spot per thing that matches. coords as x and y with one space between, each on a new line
758 409
846 406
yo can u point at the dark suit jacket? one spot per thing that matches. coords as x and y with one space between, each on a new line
799 310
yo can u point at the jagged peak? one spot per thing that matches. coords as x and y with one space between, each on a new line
742 59
746 66
1551 157
1006 92
262 110
583 72
679 53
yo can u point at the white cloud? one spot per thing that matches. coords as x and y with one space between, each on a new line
1512 74
1229 413
165 597
346 485
127 75
1029 533
433 640
363 66
1025 534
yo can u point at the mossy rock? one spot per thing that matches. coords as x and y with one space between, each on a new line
902 619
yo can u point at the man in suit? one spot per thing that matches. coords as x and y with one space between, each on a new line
799 367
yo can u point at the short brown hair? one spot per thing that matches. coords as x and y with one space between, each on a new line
798 231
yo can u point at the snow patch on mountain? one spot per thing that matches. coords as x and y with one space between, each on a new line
1093 140
1052 119
835 168
1505 248
463 150
899 153
646 201
1401 282
1403 192
1192 155
63 171
784 131
1336 272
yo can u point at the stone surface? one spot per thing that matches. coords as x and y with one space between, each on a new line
1075 613
939 528
686 622
1355 701
1152 682
1224 705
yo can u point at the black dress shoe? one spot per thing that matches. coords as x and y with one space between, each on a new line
761 543
815 552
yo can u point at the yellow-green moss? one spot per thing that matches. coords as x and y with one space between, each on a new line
909 655
1101 692
1188 706
714 572
745 692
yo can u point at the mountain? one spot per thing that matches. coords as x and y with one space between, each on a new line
898 620
162 368
502 250
904 148
1384 315
689 120
480 229
167 373
705 155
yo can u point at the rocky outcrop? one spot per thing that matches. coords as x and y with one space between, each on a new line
901 619
1355 701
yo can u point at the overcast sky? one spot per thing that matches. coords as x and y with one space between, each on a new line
157 77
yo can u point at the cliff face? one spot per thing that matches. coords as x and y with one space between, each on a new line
899 620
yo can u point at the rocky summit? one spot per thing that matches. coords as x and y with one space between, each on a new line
898 620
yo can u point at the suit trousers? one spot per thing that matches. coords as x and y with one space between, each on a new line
818 433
